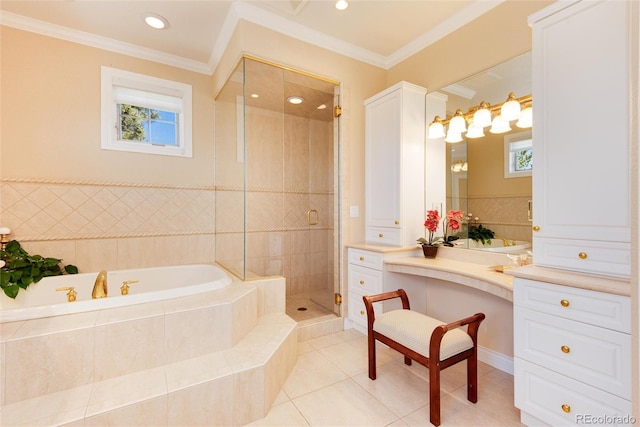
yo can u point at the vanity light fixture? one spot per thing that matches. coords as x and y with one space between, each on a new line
475 131
342 4
295 100
511 108
155 21
479 117
526 118
500 125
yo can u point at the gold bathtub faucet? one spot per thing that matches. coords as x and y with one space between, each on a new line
100 286
506 242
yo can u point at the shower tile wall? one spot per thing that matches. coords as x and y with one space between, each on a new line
289 171
110 226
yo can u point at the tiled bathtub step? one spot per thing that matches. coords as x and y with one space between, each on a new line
228 387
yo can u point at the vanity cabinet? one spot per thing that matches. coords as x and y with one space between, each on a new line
582 83
572 352
366 276
395 165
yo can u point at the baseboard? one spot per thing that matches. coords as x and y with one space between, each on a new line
495 359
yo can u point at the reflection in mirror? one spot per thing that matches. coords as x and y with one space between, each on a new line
493 194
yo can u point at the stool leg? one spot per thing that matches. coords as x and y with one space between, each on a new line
472 378
434 393
372 356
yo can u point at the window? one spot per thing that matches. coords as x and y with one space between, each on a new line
145 114
518 155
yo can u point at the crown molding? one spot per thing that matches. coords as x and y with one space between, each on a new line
57 31
274 22
444 28
258 16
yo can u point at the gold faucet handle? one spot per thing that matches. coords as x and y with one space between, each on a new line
71 295
124 289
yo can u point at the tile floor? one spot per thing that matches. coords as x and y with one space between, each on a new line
329 386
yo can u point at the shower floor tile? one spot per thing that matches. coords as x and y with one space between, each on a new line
300 307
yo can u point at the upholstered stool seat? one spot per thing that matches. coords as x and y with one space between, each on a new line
426 340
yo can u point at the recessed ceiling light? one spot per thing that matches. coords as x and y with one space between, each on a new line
342 4
155 21
322 107
295 99
255 95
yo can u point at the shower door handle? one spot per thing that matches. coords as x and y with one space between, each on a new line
309 221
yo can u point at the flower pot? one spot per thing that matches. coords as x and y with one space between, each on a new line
429 251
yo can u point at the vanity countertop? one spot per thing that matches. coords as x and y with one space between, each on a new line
474 275
573 279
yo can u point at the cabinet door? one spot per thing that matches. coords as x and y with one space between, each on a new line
581 86
382 153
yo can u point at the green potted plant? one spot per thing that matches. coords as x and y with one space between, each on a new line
19 269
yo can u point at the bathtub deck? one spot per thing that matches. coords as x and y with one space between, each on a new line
224 386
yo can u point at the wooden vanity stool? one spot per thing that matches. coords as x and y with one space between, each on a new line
426 340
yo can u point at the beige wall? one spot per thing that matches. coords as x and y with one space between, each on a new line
498 35
63 196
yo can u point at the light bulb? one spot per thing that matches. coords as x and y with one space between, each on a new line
436 129
500 125
526 118
458 124
482 116
511 108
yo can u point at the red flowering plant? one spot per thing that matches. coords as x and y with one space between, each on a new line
451 221
431 224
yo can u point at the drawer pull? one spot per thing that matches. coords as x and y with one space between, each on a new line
536 228
566 408
362 282
361 312
582 255
397 222
380 235
564 303
361 258
565 349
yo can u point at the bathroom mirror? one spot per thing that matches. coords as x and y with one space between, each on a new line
478 182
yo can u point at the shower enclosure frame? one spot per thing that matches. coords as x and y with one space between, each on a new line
238 241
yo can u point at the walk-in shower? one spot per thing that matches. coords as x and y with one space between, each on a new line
276 166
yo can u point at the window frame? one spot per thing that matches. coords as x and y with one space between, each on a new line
175 92
512 143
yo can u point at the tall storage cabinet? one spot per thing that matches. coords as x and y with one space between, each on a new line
395 173
572 342
581 89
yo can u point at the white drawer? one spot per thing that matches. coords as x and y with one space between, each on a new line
607 258
357 310
562 401
384 236
597 356
365 280
365 258
596 308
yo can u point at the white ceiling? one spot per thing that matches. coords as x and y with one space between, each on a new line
379 32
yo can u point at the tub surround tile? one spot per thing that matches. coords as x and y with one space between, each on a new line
243 316
3 357
151 412
97 254
58 324
248 386
7 330
69 363
197 332
139 344
129 313
197 370
125 390
202 405
53 409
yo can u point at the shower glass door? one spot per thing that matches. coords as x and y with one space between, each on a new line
286 152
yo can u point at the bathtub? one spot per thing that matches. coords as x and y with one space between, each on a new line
497 245
150 284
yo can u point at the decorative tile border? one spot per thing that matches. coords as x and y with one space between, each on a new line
41 209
